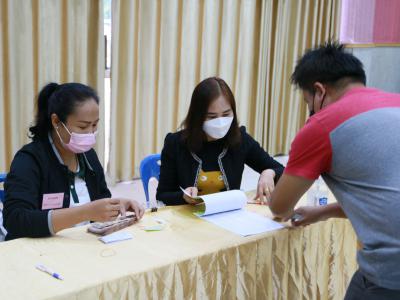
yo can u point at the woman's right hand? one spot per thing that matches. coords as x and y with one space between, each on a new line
103 210
192 191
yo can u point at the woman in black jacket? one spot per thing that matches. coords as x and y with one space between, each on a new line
54 180
209 154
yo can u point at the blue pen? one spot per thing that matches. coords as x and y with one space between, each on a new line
48 271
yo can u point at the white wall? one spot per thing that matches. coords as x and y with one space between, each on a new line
382 67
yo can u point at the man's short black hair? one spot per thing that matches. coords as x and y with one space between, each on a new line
329 64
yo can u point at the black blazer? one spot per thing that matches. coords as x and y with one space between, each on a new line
35 171
179 167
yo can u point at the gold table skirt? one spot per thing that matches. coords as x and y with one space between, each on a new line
189 259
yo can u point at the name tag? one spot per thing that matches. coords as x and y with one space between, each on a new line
51 201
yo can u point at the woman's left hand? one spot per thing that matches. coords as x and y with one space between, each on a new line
266 186
132 205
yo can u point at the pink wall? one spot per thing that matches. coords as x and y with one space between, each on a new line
370 21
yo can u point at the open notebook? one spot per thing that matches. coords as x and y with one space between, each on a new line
226 210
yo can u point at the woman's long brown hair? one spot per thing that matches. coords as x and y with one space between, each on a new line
203 95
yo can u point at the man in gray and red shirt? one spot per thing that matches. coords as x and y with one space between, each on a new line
353 141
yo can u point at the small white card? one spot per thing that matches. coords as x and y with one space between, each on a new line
116 237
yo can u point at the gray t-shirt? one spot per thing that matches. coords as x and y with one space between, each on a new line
355 143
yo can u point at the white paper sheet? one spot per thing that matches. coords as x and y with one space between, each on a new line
219 202
225 209
224 201
243 222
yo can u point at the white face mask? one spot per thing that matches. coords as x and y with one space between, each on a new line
217 128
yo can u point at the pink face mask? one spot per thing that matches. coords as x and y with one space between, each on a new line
79 142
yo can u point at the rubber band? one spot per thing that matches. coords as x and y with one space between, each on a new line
108 252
